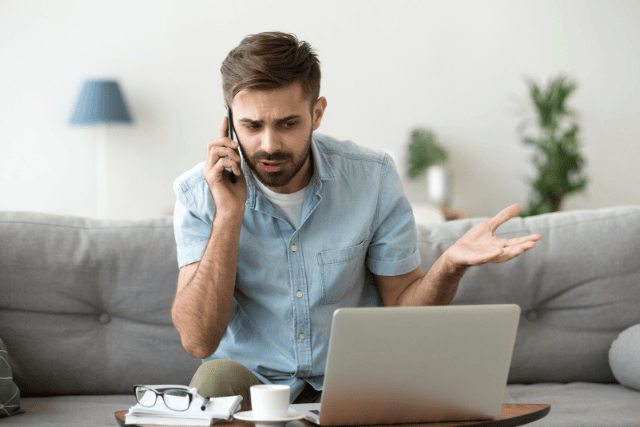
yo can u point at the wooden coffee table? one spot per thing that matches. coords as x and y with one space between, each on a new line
512 414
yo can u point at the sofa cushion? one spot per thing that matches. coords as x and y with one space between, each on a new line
9 392
577 289
580 404
624 357
72 411
86 304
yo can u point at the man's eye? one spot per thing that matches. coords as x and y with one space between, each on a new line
290 124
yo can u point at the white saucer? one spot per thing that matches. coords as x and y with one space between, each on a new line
293 415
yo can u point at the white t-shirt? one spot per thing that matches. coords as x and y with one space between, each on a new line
289 205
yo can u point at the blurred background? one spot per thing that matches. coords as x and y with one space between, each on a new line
457 68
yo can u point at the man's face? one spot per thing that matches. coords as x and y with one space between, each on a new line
274 129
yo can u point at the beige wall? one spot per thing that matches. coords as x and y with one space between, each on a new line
456 67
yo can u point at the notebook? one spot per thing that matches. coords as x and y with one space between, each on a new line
216 409
388 365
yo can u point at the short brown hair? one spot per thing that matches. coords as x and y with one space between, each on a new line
271 60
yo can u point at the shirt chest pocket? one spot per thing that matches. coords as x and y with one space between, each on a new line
341 270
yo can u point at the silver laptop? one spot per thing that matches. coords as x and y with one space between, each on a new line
390 365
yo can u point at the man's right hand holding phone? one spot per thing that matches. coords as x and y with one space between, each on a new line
230 198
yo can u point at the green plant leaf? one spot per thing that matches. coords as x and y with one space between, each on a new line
558 160
424 151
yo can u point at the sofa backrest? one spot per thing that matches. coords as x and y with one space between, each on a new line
85 304
577 289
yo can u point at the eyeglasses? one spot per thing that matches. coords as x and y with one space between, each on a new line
175 398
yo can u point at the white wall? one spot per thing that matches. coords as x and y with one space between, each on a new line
456 67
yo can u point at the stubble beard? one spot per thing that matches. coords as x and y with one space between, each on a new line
281 177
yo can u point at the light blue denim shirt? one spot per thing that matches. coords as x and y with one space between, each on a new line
355 217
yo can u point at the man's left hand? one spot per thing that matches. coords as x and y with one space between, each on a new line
480 245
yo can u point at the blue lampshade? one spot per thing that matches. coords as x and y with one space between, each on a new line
100 101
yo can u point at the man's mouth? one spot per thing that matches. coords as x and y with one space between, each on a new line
269 167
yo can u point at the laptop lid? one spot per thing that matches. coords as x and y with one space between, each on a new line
390 365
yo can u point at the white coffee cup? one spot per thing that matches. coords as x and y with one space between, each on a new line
270 401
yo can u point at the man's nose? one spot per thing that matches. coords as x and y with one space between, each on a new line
271 141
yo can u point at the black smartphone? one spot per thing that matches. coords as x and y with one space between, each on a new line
232 176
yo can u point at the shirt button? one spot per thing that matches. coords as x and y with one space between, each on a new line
299 294
294 248
301 336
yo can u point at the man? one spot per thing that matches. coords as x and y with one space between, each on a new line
266 258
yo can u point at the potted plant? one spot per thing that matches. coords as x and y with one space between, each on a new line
558 160
426 157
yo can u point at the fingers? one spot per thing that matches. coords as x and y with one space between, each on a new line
220 148
518 246
503 216
225 163
514 251
224 129
218 152
524 239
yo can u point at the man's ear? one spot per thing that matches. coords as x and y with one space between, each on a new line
318 112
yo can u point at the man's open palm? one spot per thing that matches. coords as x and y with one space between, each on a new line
480 245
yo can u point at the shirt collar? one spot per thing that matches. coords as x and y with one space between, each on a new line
322 170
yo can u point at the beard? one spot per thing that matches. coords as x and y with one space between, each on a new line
288 169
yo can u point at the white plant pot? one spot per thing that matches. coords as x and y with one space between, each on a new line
439 185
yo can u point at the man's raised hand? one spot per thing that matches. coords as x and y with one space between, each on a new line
480 245
229 197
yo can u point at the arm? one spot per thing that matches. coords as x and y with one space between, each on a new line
478 246
437 287
203 304
204 301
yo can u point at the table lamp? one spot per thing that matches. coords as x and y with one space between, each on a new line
101 103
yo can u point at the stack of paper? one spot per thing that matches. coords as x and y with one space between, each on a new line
218 408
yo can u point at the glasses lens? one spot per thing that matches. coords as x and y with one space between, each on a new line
175 399
145 396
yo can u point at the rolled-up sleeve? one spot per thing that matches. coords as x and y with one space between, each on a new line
191 230
393 249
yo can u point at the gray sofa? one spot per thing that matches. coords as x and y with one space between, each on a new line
85 312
